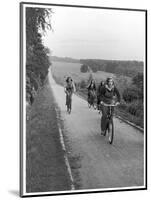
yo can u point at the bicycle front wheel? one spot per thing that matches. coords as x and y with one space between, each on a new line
110 131
89 102
70 106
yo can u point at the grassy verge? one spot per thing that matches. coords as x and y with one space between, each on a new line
45 166
127 116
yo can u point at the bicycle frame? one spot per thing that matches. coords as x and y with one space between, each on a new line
91 98
110 116
69 100
110 109
110 124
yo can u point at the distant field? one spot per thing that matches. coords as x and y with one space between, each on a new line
61 70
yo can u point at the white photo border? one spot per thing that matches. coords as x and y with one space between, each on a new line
22 56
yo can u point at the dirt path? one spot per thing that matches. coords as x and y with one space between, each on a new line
95 163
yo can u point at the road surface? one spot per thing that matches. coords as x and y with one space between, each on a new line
94 162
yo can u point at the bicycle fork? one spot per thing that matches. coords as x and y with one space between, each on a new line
109 116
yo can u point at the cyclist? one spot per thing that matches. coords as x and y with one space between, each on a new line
91 89
99 94
69 88
109 95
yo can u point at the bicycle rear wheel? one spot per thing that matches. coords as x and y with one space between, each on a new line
110 131
69 102
89 105
94 106
69 106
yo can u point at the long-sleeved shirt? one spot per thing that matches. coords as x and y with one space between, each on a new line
107 95
99 90
91 87
70 87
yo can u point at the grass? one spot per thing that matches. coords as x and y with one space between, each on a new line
125 115
62 70
45 166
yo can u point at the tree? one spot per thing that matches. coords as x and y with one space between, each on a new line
111 67
130 94
84 68
138 80
94 68
122 82
135 90
37 22
37 56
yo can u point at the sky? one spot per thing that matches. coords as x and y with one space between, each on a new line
96 33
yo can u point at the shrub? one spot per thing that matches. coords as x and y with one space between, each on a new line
131 94
94 68
84 68
122 83
138 80
135 108
123 105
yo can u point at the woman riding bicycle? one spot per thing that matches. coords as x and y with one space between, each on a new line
91 91
99 94
109 95
69 89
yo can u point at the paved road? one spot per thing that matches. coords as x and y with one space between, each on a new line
94 162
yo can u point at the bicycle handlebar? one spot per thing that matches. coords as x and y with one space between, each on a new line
112 105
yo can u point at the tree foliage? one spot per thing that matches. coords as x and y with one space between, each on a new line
138 80
37 22
133 97
135 91
84 68
131 94
126 68
37 55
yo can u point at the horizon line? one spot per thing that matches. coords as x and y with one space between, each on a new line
96 58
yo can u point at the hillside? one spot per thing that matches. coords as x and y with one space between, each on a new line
126 68
64 59
121 67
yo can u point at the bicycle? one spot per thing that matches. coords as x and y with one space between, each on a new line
109 130
68 101
99 108
91 99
